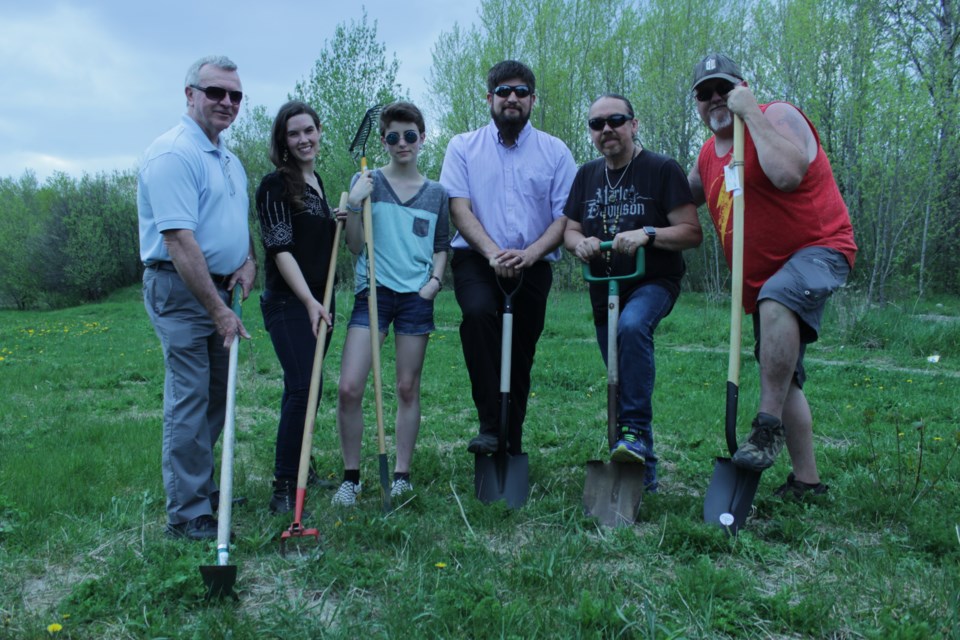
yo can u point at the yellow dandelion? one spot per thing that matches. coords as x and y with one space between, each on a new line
65 616
54 628
441 565
937 439
900 434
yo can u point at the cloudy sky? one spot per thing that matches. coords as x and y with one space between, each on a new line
86 85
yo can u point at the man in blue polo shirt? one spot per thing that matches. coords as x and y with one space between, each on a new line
508 184
195 244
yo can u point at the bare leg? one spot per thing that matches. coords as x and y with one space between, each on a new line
410 354
779 350
799 428
354 370
779 394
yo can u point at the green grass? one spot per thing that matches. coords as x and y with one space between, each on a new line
82 513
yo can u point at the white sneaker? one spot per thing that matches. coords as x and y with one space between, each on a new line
400 487
346 495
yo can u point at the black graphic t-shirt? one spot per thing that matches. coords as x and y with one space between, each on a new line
639 195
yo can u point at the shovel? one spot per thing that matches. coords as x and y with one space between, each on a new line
612 491
730 493
296 529
220 578
501 476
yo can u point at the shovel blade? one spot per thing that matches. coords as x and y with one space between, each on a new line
730 495
612 492
501 476
219 580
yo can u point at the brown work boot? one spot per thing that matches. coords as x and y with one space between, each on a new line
763 445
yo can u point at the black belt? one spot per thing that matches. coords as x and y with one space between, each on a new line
219 281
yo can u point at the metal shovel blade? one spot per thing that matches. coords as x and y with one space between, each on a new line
612 492
501 476
219 580
730 495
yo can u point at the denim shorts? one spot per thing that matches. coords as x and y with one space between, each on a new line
410 314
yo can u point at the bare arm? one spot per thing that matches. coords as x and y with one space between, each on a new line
696 185
549 240
462 216
785 144
431 289
192 267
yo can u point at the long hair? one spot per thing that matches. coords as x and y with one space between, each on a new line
290 172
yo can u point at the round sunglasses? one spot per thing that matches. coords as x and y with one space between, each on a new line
409 136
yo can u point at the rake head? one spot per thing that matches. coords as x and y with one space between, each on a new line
358 148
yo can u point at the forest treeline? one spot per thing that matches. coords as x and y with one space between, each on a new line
879 78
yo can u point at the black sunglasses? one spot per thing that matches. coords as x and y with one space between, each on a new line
409 136
216 94
723 87
504 91
615 121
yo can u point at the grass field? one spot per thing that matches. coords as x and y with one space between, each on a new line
83 553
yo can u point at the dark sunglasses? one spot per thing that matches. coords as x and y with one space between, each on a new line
216 94
504 91
723 88
615 121
409 136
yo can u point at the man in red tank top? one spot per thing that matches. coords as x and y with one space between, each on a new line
798 249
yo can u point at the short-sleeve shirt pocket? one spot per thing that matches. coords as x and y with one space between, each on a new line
421 227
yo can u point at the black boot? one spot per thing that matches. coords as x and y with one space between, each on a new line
284 498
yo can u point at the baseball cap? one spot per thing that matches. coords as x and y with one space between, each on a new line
716 65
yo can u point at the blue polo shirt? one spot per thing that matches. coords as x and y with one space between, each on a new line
515 192
187 182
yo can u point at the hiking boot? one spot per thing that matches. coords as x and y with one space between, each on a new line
484 443
284 497
793 489
629 448
764 444
346 495
200 528
400 486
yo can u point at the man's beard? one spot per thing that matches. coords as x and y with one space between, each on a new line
720 120
510 126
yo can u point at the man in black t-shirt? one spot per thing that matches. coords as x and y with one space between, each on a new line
635 198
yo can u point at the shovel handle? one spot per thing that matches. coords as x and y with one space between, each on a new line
736 291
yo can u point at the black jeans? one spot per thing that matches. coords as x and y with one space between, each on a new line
286 320
481 329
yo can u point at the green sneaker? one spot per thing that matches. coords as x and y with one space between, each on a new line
764 444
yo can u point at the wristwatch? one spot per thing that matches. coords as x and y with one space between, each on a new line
439 282
651 235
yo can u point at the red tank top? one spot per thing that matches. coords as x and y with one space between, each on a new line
777 224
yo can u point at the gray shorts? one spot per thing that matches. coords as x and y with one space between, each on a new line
803 285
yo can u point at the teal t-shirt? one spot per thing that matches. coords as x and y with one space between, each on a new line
405 235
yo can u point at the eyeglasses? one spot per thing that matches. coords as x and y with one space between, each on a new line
409 136
217 94
504 91
615 121
723 87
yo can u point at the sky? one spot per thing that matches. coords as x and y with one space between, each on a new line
86 85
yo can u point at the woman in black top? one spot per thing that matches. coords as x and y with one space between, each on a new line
297 228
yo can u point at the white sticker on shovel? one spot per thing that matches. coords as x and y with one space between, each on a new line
732 178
